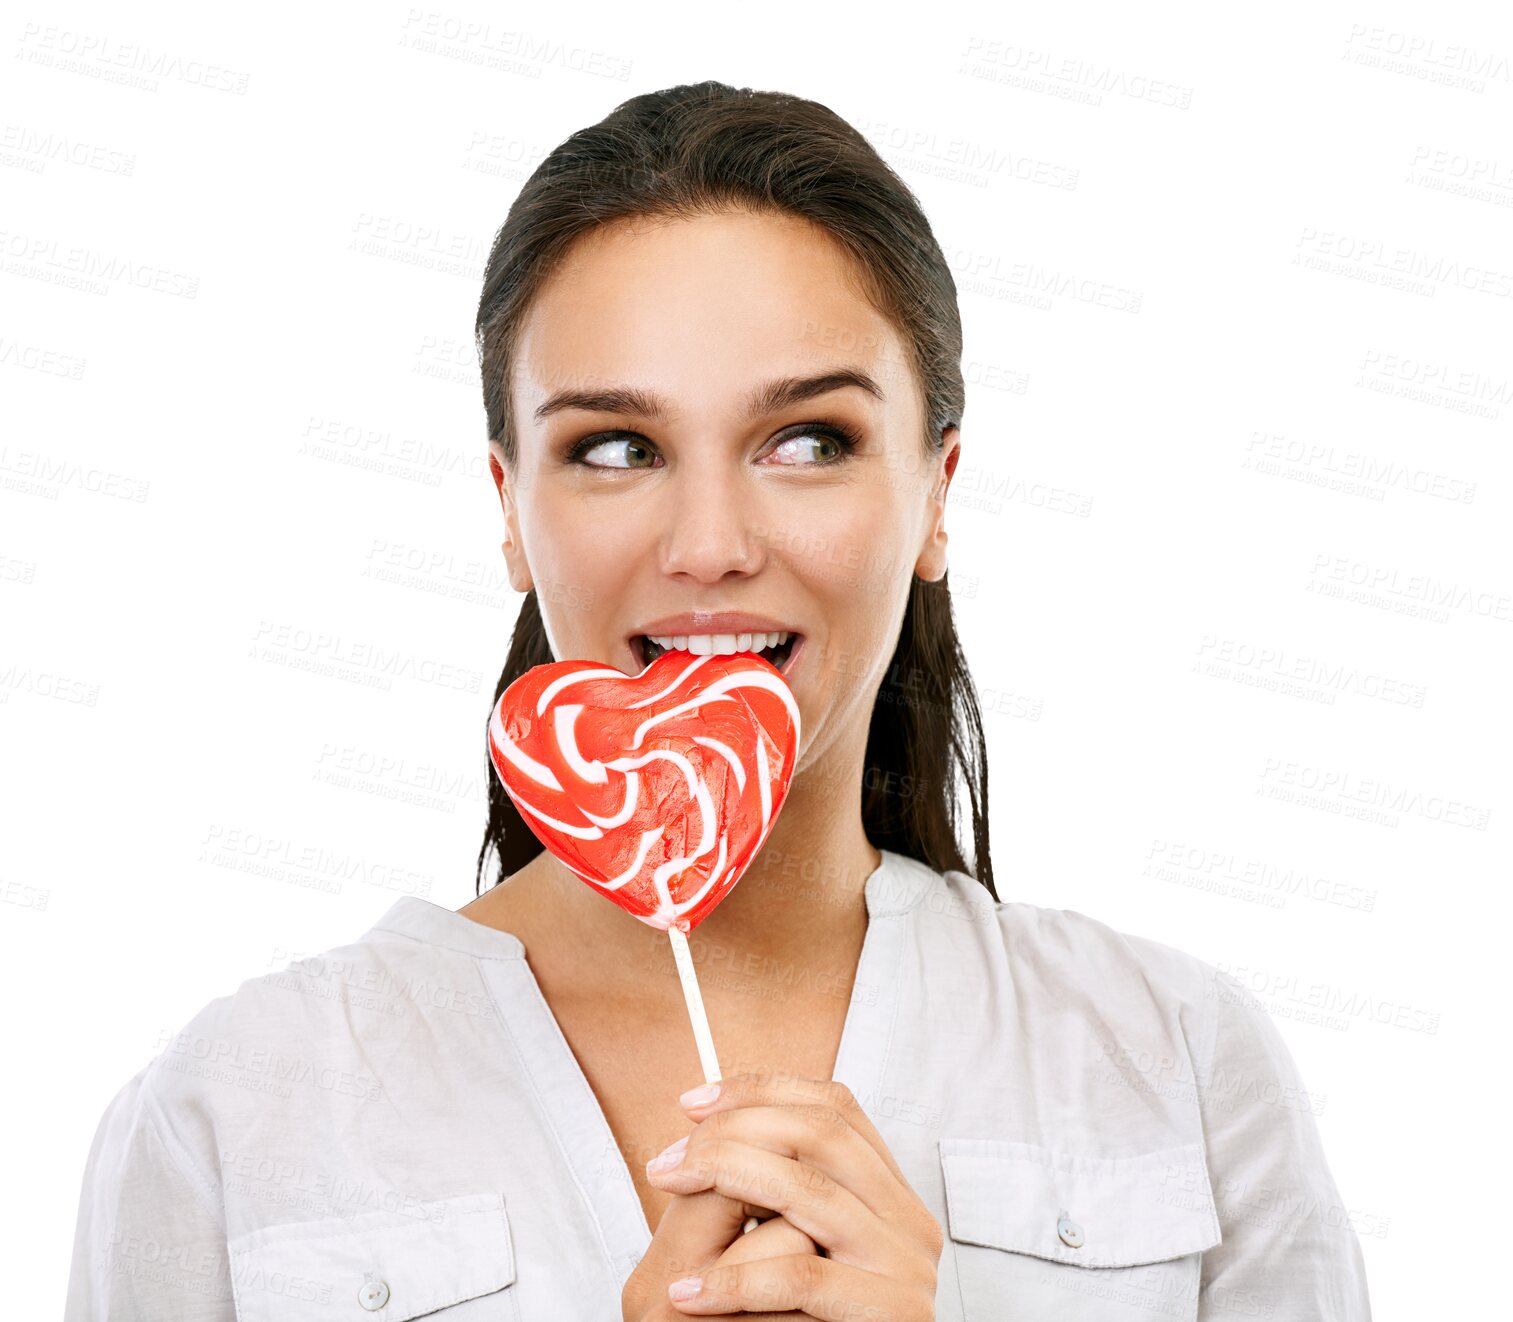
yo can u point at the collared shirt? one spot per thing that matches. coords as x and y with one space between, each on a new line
1106 1129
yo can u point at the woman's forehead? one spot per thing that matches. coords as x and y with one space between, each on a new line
721 273
702 308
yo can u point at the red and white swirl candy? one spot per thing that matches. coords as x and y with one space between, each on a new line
657 789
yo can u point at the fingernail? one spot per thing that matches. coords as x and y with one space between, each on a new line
669 1157
686 1288
700 1096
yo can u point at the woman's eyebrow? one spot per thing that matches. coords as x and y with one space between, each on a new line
769 398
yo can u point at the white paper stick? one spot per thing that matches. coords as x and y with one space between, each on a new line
708 1061
696 1015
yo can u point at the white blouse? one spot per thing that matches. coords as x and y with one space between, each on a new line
1105 1127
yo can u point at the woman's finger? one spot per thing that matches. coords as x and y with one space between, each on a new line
774 1238
777 1237
820 1137
691 1234
825 1210
823 1288
780 1089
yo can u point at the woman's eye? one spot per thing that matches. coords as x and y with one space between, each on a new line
797 444
635 451
811 446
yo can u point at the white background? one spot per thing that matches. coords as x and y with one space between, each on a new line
1229 534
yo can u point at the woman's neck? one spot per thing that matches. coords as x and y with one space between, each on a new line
797 912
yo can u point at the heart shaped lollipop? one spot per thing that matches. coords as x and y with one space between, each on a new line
657 789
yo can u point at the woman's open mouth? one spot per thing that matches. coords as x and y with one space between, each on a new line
780 653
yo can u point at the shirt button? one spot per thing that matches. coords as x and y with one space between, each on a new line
373 1295
1070 1232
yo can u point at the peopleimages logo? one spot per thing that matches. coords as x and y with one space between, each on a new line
1280 991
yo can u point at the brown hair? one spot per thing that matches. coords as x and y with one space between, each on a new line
707 147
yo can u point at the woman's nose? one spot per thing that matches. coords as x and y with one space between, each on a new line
713 527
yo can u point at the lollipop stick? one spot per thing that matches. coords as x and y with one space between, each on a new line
696 1015
701 1034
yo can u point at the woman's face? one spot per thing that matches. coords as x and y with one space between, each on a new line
669 463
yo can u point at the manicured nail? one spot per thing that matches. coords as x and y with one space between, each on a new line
686 1288
700 1096
669 1157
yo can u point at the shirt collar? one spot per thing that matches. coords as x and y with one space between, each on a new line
423 920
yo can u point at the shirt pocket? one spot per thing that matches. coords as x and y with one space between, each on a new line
1041 1232
454 1265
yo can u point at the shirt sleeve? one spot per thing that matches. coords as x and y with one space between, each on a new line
1290 1251
150 1243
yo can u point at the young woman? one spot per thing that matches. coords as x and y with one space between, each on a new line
721 362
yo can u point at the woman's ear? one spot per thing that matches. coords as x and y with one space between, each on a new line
514 556
932 556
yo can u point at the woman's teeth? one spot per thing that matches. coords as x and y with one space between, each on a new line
716 644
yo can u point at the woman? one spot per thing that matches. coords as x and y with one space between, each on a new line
721 363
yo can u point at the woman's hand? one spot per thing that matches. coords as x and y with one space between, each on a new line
697 1233
805 1149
